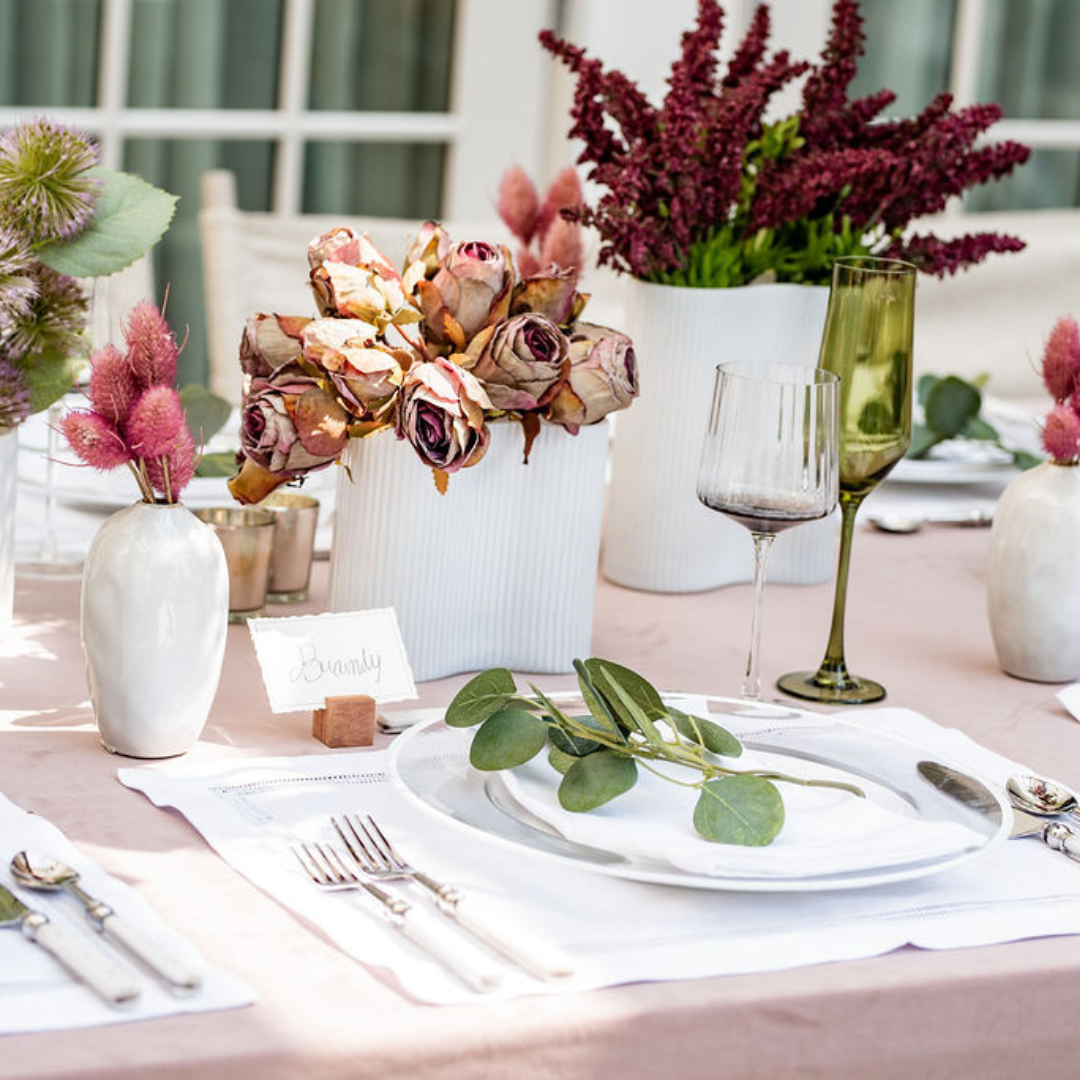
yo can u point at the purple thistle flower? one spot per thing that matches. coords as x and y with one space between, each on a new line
44 185
18 286
14 395
53 321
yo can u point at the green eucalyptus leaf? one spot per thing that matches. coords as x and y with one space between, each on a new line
950 405
206 413
506 739
922 439
640 689
220 464
575 745
559 760
130 217
925 387
978 428
1023 460
596 779
706 733
484 694
628 710
602 713
49 376
746 810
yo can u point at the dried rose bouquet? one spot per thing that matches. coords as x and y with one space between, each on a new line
135 417
703 191
433 353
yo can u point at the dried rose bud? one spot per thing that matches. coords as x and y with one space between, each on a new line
270 341
552 294
365 372
603 377
520 361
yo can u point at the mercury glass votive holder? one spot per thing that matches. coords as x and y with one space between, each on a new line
247 535
294 545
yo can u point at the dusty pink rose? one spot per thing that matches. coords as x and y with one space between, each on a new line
269 341
365 372
471 290
552 293
442 415
603 377
426 253
520 361
346 245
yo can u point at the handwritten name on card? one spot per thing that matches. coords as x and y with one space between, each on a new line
308 658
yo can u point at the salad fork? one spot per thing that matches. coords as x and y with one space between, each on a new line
329 871
379 859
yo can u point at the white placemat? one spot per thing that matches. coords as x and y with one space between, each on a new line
619 931
38 994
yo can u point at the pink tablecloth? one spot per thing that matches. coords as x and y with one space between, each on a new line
916 621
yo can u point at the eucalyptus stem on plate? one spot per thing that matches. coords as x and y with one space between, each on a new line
628 727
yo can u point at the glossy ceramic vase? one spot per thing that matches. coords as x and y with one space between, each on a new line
9 449
498 572
657 535
155 606
1034 579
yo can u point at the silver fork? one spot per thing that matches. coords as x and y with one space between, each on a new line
327 869
377 857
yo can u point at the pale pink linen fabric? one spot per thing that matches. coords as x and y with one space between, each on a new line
916 621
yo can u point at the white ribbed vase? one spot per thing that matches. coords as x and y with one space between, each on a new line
9 452
155 607
658 536
1034 579
498 572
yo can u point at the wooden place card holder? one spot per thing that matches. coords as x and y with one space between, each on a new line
345 721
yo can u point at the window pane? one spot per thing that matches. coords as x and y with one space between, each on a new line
1030 58
1051 178
195 54
374 179
908 48
177 165
48 52
382 55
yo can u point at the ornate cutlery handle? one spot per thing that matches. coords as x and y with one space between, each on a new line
1062 838
102 976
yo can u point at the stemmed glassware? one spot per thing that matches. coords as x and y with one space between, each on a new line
867 342
770 461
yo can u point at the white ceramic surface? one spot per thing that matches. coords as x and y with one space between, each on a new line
9 449
155 604
499 571
658 536
1034 578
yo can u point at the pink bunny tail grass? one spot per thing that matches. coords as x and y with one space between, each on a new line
94 440
564 194
170 478
562 246
1061 359
527 263
518 203
152 348
154 422
1061 434
112 384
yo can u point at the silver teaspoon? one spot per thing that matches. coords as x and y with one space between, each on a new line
903 523
1042 797
37 871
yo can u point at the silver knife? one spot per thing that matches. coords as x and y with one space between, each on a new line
976 795
104 977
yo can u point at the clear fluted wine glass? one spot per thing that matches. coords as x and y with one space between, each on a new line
867 342
770 461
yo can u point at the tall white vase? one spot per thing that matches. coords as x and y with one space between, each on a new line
155 607
9 450
499 571
1034 578
658 536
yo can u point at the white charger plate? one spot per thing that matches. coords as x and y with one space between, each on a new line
429 762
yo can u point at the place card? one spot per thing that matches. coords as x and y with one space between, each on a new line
307 658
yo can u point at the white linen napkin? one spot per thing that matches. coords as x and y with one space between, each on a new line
39 994
1069 696
618 931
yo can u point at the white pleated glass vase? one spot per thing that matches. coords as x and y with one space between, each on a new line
658 536
498 572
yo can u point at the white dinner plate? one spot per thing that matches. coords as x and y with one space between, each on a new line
430 763
944 471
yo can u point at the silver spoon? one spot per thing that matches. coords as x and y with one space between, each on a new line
37 871
1042 797
904 523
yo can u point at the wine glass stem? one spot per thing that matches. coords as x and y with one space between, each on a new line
751 687
834 664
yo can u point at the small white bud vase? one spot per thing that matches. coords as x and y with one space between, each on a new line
155 606
1034 580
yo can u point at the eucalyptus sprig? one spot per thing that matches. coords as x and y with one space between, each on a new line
628 727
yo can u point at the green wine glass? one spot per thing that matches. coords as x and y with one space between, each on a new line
867 342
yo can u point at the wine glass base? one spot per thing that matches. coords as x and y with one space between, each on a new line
852 691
